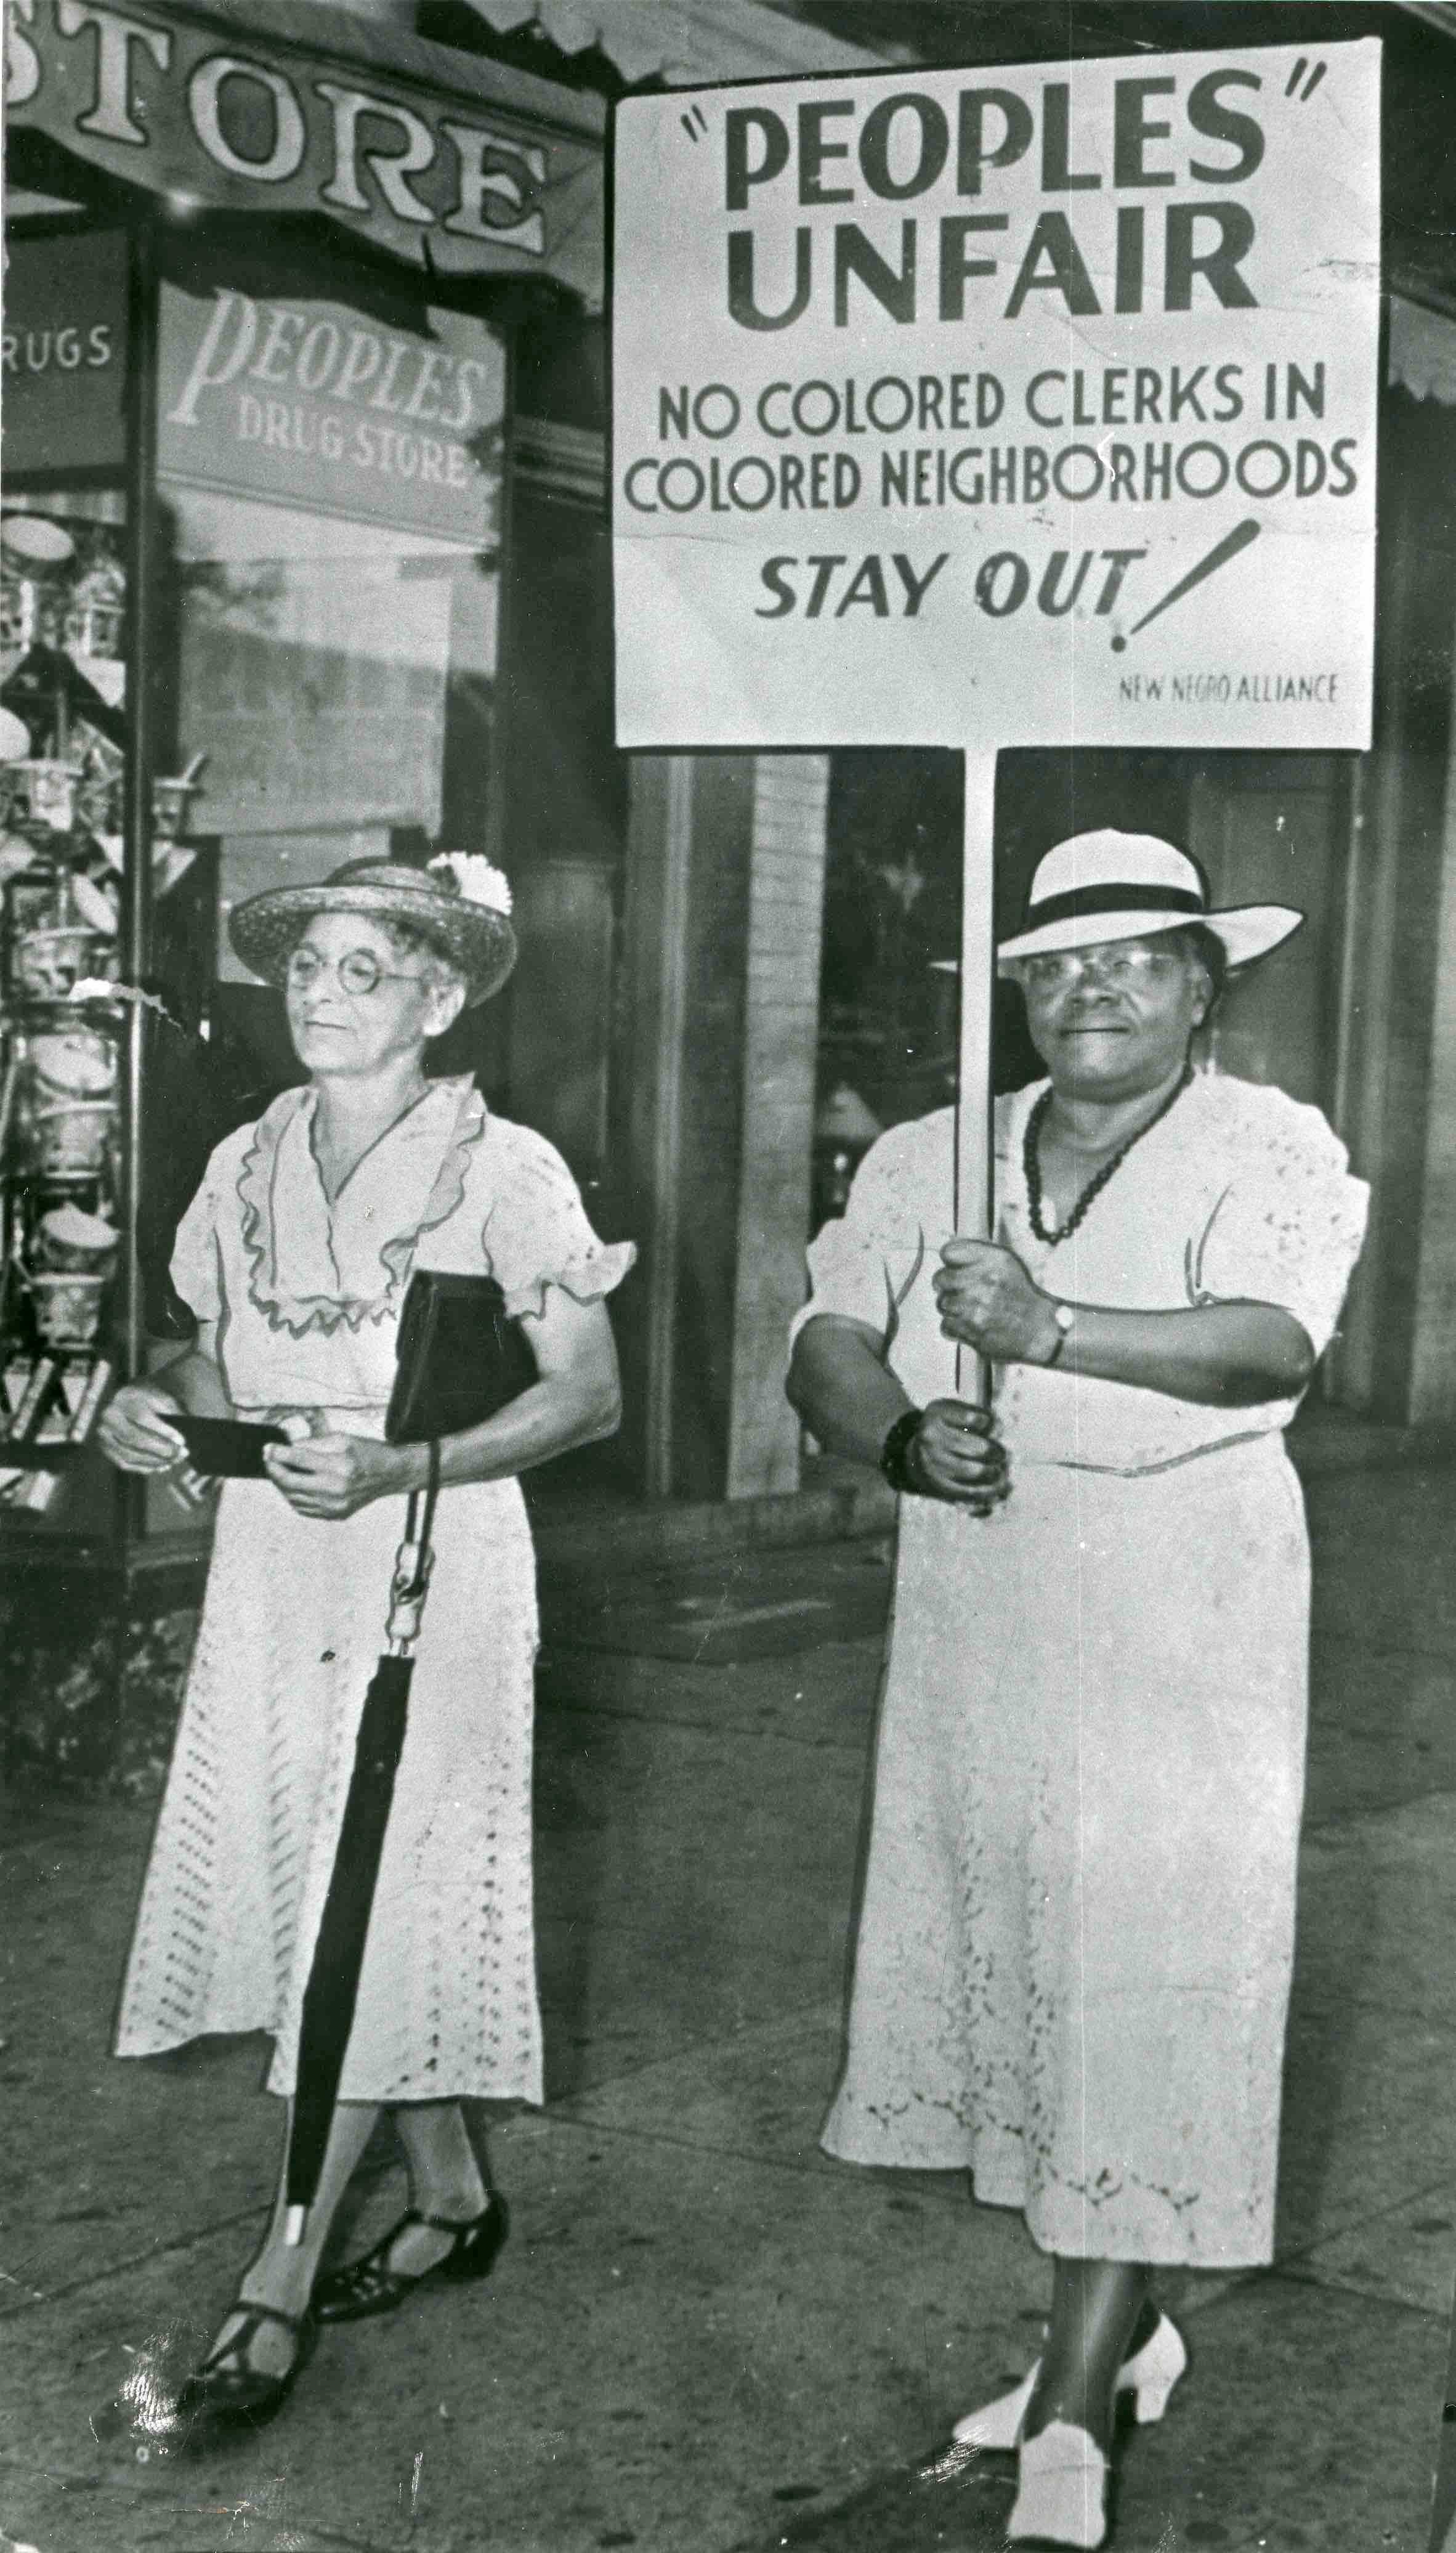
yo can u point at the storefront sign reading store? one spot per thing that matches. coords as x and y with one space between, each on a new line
995 407
171 105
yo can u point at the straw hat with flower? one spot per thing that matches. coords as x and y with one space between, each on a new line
460 906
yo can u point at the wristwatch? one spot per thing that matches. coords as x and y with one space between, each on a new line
895 1453
1064 1314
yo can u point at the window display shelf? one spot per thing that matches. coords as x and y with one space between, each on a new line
64 1033
61 1079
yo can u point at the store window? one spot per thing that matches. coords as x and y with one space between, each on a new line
330 480
322 669
887 1000
62 710
62 693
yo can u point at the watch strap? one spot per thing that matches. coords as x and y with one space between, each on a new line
895 1453
1064 1314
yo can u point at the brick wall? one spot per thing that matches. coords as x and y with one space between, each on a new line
779 1050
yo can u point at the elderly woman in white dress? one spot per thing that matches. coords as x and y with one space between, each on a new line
295 1256
1076 1940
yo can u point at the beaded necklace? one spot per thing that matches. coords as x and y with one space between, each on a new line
1031 1161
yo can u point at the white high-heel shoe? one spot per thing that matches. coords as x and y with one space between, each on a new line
1063 2494
1149 2376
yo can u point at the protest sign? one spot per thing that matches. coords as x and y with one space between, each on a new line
999 407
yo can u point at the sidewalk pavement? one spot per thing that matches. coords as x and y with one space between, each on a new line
703 2336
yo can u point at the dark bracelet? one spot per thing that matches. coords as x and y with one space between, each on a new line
895 1453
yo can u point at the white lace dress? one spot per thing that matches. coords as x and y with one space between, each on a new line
1076 1936
308 1298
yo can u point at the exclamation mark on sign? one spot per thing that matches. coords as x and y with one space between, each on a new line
1219 556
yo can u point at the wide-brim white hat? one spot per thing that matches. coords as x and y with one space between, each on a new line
1110 885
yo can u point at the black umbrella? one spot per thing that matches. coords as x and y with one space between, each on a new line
332 1991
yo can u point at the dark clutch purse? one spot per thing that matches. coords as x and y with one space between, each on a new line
228 1449
459 1358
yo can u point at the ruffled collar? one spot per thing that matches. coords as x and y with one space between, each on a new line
315 1265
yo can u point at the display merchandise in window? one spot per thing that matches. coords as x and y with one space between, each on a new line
62 1013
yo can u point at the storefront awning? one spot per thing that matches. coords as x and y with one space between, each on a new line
287 106
682 42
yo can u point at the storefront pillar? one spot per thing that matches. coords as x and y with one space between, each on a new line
1395 1038
725 884
779 1053
1433 1386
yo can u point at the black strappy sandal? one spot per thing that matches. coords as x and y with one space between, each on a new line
370 2287
226 2394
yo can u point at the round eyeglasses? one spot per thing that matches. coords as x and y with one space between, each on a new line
359 972
1110 961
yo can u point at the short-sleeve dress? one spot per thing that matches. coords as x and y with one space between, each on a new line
307 1297
1076 1936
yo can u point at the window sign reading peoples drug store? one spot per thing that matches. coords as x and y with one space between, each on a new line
311 403
990 407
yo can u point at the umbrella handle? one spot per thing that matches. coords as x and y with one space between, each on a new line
413 1562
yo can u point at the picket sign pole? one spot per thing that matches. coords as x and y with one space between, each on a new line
972 1207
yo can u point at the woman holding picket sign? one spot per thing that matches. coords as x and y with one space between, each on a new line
1075 1941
